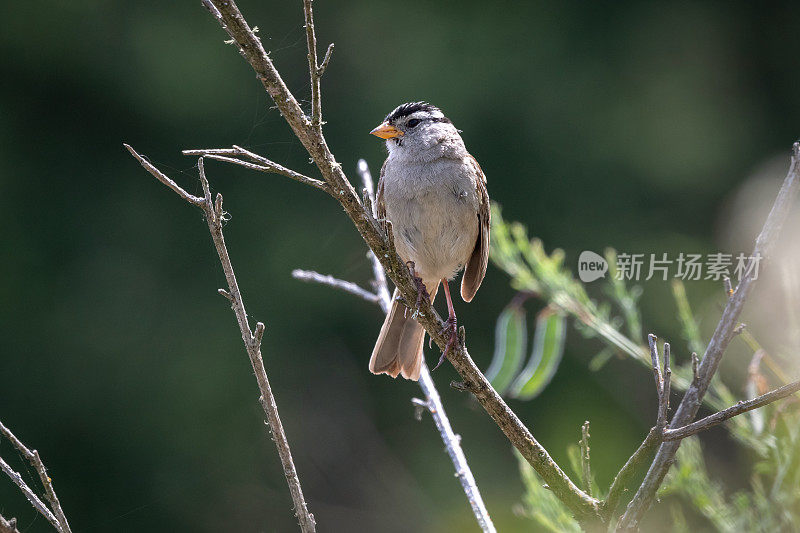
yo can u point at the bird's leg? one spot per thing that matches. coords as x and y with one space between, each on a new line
450 325
422 291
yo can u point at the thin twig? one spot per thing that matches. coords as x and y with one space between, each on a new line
664 402
651 339
37 503
741 407
347 286
586 466
325 60
722 336
662 379
262 164
252 339
160 176
8 526
313 67
452 443
379 275
36 462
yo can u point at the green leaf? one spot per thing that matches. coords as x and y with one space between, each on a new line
510 342
548 347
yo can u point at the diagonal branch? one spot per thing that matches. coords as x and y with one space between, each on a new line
228 15
730 412
36 462
723 334
214 215
37 503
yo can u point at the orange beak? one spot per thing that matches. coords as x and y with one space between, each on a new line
386 131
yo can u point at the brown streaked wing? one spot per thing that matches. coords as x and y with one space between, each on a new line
479 260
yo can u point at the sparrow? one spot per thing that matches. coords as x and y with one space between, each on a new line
433 193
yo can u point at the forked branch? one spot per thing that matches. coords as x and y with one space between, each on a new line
54 513
735 410
214 215
722 336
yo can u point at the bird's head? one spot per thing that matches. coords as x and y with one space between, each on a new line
415 128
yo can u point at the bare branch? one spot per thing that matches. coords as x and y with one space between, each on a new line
32 456
651 339
722 336
8 526
586 467
662 379
226 294
262 164
452 443
160 176
741 407
663 404
347 286
252 339
366 179
258 334
313 67
30 495
379 282
325 60
232 21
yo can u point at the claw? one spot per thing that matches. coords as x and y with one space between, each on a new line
451 327
422 291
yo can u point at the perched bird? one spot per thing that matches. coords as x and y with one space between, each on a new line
434 195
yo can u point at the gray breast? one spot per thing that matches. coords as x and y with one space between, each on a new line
433 209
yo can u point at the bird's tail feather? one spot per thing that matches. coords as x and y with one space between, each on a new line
399 346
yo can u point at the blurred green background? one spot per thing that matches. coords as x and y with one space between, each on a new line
622 124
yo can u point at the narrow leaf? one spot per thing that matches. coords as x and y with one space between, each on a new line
548 347
510 342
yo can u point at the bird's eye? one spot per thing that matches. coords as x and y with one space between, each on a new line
413 122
